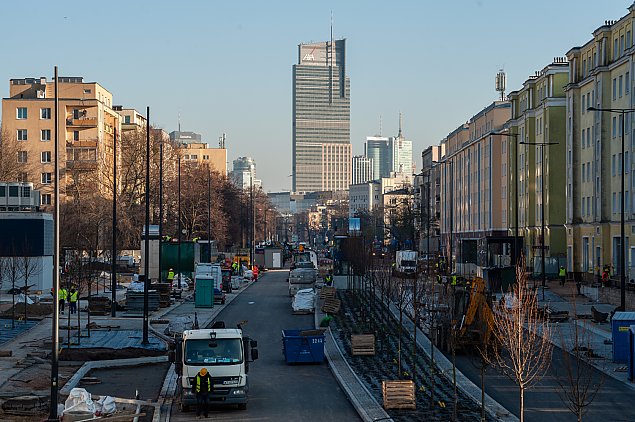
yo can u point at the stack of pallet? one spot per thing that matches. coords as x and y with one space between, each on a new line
331 306
399 394
134 302
164 290
363 344
99 305
327 292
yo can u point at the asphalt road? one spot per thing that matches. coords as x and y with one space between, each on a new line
279 391
543 403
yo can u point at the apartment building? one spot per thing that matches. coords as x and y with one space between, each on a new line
600 75
536 132
202 154
471 178
86 121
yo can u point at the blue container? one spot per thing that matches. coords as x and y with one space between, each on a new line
631 353
620 324
302 349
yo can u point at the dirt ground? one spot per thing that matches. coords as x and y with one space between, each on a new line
34 310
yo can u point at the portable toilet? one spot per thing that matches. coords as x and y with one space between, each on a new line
204 291
631 353
620 325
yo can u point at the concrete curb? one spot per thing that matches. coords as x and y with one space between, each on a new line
362 399
492 407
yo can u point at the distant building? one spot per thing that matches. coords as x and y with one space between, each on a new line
362 169
390 155
321 118
131 119
364 197
186 137
244 173
216 158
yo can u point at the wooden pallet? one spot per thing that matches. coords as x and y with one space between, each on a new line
331 306
363 344
327 292
399 394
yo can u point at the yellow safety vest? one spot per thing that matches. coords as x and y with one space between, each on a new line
73 297
562 272
62 294
171 275
198 384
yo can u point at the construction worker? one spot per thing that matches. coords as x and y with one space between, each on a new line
72 300
202 387
255 273
562 273
453 283
62 295
328 279
439 278
170 275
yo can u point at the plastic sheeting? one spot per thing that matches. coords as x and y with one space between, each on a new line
304 300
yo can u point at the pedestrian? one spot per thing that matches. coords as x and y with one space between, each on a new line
255 273
202 387
72 300
170 275
562 273
328 279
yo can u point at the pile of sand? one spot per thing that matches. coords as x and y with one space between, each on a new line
34 310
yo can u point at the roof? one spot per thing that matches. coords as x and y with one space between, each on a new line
624 316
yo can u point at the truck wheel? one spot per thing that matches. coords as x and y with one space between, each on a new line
242 406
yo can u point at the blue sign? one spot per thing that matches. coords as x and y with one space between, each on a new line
354 224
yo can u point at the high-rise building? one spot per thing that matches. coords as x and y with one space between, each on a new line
186 137
362 169
321 118
390 155
244 173
87 122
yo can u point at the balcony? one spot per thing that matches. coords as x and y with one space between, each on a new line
92 142
83 122
85 165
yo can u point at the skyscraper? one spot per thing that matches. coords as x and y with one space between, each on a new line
362 169
390 155
321 118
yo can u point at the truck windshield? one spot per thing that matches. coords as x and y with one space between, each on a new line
217 351
408 263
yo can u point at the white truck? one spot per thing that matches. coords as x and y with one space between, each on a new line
406 263
225 353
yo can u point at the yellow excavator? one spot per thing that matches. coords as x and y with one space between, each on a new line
475 322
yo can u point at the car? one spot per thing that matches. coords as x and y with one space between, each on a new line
219 296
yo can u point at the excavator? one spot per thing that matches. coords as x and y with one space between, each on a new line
472 316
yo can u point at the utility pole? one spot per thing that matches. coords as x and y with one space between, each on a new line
146 260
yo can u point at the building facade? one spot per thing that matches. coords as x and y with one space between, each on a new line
201 153
364 197
471 176
538 119
390 155
244 173
321 118
362 169
87 123
600 75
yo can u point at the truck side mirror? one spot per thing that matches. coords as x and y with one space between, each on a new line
253 343
254 354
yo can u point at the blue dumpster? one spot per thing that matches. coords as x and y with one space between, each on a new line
631 353
303 346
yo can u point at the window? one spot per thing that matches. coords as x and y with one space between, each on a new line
615 51
588 100
588 205
76 135
614 88
582 206
620 85
614 203
87 91
46 179
13 191
614 131
194 157
22 157
22 135
45 113
126 120
627 83
21 113
588 137
621 44
46 199
46 156
628 39
22 177
583 143
205 157
613 165
45 135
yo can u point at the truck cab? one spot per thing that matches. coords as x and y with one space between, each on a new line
226 355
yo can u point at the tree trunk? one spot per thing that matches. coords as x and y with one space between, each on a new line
522 404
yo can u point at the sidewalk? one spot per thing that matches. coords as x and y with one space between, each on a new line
595 336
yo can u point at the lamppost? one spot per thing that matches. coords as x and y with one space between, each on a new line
516 225
622 112
542 146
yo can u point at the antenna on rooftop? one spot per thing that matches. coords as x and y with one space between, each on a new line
380 122
501 82
221 141
400 123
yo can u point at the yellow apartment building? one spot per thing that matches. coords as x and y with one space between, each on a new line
203 155
86 122
600 75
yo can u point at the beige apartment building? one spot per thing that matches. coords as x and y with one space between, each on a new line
203 155
472 199
538 118
86 121
600 75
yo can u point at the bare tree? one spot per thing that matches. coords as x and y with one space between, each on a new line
523 335
29 268
11 267
10 167
580 382
402 298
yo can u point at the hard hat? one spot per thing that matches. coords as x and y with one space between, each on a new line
204 371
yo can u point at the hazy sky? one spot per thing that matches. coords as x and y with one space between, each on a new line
225 66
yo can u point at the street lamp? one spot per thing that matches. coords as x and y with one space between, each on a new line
516 225
622 112
542 146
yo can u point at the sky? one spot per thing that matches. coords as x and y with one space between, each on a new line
226 66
